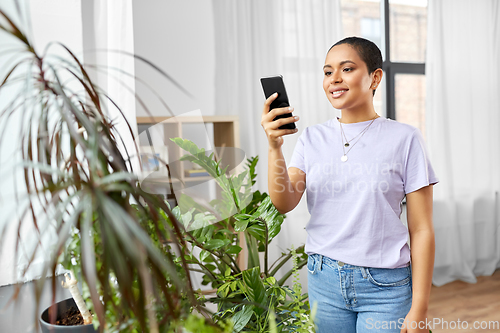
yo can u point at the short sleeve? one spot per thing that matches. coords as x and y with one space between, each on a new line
418 169
298 160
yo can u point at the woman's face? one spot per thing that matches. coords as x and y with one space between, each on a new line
347 84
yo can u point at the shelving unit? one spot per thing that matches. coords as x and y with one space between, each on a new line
225 134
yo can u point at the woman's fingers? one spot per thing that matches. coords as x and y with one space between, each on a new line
267 103
267 113
281 132
276 124
269 122
274 134
271 126
279 111
269 116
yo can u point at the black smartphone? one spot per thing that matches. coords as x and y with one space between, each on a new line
271 85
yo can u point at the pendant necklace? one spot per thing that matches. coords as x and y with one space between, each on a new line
347 144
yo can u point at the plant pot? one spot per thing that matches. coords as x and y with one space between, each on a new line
61 307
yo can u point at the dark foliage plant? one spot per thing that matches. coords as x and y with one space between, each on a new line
78 181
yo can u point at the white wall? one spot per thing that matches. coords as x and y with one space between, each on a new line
178 36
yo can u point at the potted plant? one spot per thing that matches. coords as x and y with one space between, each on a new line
79 182
70 315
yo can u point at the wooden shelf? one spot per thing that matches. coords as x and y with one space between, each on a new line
181 119
225 134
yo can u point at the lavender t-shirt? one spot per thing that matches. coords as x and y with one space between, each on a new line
355 206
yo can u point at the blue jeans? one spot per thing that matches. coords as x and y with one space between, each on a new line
351 299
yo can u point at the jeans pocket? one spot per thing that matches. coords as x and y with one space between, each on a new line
389 277
311 264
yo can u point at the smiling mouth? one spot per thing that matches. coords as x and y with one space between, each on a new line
338 93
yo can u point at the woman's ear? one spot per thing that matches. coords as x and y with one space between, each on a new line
377 77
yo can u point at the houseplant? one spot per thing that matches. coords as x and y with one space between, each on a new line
79 182
248 296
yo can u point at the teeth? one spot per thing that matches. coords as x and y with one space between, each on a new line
339 92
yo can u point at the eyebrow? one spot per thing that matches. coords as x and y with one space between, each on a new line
341 63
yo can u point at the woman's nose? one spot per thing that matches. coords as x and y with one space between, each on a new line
336 79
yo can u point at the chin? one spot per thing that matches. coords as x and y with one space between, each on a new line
337 104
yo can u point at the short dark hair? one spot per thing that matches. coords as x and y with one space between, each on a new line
367 50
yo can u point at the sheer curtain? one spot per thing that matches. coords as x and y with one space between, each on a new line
263 38
463 122
108 42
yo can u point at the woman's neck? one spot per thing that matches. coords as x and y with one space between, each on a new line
357 117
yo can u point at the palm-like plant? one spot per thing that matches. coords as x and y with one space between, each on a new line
80 182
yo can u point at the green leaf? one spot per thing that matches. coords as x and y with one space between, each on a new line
210 267
273 328
255 288
186 218
214 244
253 253
117 177
242 317
258 230
271 280
270 214
233 249
223 289
203 255
240 225
177 213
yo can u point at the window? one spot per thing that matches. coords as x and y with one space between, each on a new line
362 18
408 25
409 93
399 28
370 29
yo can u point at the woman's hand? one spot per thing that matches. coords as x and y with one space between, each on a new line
415 322
275 135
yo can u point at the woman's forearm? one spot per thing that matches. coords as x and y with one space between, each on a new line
281 190
422 257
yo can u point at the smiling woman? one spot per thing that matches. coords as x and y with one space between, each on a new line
359 260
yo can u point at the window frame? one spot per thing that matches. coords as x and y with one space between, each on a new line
392 68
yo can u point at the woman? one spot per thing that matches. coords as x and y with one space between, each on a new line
357 169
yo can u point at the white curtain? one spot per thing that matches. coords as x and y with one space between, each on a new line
108 38
463 126
262 38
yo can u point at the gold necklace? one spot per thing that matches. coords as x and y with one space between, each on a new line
347 144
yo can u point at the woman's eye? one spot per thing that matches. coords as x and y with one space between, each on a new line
328 73
347 69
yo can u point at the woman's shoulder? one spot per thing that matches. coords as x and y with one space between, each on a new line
400 128
320 127
317 133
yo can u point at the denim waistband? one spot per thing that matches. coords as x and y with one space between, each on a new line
337 263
